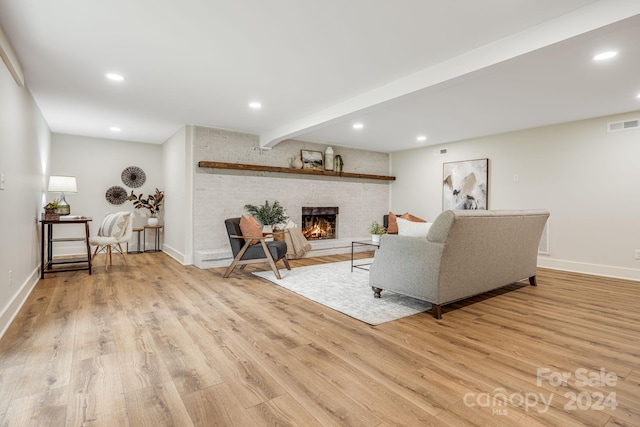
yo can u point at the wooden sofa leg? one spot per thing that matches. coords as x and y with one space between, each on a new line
532 281
376 292
436 309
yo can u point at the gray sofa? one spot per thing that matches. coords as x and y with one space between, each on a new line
465 253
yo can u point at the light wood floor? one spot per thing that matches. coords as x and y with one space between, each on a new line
160 344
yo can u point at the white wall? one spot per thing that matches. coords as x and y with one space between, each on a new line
24 159
220 194
586 177
178 213
97 165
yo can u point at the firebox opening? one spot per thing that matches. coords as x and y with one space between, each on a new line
320 223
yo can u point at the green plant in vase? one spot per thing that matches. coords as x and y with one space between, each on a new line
268 214
376 230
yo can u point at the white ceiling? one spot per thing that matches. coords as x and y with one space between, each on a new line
449 70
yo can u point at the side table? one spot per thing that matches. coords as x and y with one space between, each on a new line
361 243
138 250
157 228
46 265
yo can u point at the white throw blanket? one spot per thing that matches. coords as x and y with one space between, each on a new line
297 244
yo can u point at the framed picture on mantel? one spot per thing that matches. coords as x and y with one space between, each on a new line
312 159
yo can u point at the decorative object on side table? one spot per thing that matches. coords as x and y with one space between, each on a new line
116 195
269 215
153 203
50 209
376 230
63 184
133 177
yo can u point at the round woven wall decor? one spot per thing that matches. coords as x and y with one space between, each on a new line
133 177
116 195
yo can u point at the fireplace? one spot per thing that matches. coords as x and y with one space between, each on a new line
319 223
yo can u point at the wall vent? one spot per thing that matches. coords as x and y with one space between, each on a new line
440 152
624 125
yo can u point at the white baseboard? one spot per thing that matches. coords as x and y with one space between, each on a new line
587 268
20 297
177 255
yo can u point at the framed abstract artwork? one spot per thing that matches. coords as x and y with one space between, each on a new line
465 184
312 159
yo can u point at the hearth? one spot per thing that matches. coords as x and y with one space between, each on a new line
320 223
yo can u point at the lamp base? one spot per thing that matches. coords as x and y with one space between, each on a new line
63 207
64 210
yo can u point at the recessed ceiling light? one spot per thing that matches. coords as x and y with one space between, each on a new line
358 125
638 96
421 138
114 129
605 55
115 77
255 105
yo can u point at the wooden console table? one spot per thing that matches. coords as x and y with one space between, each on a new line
76 263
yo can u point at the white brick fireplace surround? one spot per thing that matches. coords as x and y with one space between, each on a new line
221 194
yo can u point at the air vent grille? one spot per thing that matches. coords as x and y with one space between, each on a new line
624 125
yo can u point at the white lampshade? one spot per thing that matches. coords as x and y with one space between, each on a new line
63 184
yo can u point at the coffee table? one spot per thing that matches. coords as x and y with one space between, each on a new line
361 243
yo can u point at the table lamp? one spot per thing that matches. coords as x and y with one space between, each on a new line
62 184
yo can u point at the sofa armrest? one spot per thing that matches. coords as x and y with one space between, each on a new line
407 265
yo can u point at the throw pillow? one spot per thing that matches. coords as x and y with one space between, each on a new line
392 227
250 227
413 228
114 225
410 217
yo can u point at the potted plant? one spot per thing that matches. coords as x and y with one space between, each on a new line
50 209
153 203
376 230
269 215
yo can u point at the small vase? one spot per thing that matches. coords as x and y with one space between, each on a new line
152 220
328 159
375 239
296 163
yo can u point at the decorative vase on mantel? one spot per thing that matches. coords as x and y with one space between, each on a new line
295 162
328 159
152 220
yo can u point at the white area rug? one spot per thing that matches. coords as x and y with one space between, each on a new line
335 286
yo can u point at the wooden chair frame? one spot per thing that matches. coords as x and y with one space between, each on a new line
237 261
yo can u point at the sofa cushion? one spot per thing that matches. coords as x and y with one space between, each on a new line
392 227
250 227
413 228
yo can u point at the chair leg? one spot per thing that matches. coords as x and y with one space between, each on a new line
122 253
286 262
95 253
227 273
107 257
270 259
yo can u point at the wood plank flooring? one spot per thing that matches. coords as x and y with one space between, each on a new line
160 344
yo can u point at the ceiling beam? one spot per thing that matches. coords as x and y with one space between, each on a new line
594 16
10 59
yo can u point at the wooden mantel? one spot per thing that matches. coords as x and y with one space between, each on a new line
260 168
